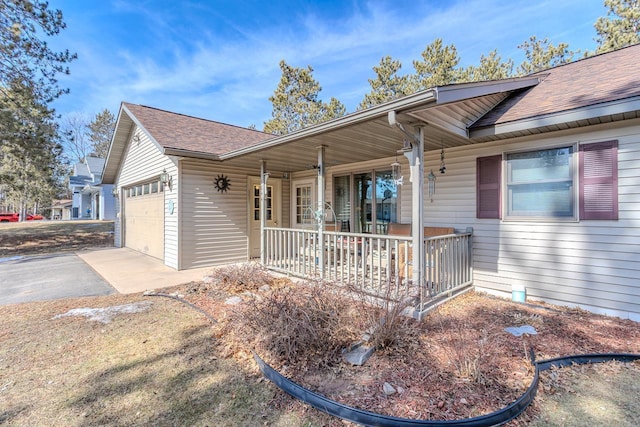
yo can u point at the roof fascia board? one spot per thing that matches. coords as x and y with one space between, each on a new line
402 104
138 124
454 93
585 113
447 127
188 153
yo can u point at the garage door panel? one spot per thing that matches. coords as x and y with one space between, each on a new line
144 224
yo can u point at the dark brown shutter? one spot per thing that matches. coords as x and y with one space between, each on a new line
488 176
598 166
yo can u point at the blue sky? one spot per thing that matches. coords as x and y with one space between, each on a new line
219 59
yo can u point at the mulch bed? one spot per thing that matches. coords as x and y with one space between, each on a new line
459 362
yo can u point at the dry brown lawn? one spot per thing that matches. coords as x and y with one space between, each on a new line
167 364
38 237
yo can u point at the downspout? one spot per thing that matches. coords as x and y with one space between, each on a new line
320 211
264 176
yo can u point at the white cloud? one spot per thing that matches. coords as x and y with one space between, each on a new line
224 68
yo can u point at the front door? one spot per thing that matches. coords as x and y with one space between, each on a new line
273 210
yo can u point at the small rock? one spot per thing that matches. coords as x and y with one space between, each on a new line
464 401
264 288
388 389
358 354
400 390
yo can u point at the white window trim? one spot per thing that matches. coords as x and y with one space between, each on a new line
575 190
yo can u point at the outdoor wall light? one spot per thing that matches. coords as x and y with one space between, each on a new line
165 178
115 192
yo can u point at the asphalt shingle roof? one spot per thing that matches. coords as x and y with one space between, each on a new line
598 79
178 131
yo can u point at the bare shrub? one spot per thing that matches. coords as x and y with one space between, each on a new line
383 318
241 278
467 355
308 325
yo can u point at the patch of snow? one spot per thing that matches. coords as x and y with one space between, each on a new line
12 258
234 300
521 330
105 314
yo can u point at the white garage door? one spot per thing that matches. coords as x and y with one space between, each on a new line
144 220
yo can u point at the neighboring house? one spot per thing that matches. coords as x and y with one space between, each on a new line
91 199
543 169
61 209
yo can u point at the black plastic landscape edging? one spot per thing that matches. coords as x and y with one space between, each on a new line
496 418
583 359
372 419
367 418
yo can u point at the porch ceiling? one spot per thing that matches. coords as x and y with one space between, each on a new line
371 138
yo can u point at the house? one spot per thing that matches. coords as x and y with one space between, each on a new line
537 175
61 209
91 199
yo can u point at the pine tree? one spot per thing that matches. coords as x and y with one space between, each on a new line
491 68
101 131
541 55
437 67
621 26
24 55
31 172
387 85
296 104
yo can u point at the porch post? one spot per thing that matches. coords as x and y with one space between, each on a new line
320 211
263 209
417 207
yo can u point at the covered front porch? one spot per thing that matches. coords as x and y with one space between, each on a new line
342 162
380 265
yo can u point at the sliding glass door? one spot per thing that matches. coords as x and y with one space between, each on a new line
364 204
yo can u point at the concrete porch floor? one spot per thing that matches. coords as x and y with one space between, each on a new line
130 272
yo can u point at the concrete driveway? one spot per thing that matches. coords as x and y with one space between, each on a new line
86 273
47 277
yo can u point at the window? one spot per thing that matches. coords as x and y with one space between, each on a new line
366 202
268 202
304 204
545 184
540 184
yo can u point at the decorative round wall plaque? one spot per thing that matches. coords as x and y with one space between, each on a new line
222 183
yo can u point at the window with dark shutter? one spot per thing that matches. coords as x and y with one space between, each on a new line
599 180
488 176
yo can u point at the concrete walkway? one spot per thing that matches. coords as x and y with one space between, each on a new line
130 272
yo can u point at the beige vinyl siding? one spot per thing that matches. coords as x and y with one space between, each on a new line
213 224
593 264
143 161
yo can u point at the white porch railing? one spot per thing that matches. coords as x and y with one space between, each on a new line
376 264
